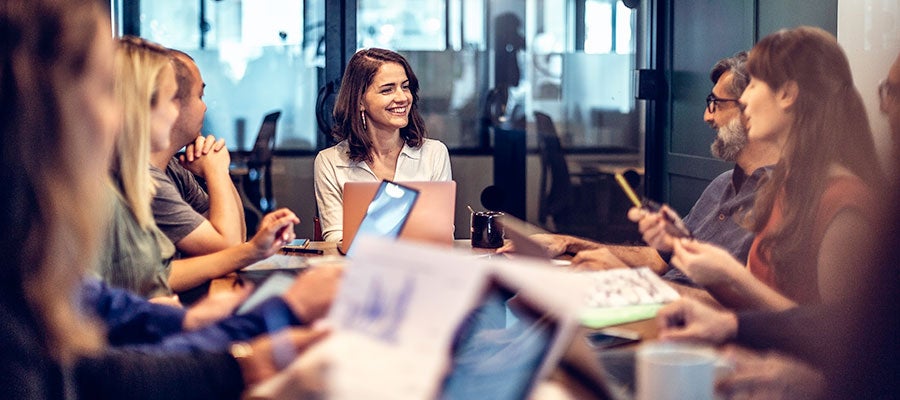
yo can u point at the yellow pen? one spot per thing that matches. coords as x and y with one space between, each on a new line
628 191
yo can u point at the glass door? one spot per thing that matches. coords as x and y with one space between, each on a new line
563 69
255 57
492 62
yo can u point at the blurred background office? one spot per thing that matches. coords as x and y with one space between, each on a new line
542 98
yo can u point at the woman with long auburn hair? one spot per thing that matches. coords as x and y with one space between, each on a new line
819 201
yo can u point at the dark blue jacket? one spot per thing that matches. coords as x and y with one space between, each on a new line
135 324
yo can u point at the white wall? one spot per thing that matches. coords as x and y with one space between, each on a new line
869 31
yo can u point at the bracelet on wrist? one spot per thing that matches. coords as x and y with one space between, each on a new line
241 350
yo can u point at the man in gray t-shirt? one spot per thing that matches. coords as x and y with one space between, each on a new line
181 204
198 221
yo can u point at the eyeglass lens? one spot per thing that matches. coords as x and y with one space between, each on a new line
712 102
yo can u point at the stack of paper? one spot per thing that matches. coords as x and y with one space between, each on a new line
623 295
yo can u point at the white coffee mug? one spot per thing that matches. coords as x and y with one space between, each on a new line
675 371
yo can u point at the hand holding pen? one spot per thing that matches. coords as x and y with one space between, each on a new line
659 224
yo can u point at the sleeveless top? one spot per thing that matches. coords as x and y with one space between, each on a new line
844 192
133 258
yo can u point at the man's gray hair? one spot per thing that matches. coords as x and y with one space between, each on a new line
737 65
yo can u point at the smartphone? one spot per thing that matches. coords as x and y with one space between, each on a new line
275 285
387 212
612 337
296 244
675 226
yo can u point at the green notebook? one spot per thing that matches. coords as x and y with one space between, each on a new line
601 317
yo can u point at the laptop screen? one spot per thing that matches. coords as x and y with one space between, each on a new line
388 211
499 350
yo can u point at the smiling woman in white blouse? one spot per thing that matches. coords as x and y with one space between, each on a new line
380 134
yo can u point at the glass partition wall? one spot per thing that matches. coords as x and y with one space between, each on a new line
483 65
573 60
255 56
497 62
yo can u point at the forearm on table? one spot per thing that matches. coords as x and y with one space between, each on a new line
270 316
575 244
742 291
225 208
129 318
640 256
696 293
191 272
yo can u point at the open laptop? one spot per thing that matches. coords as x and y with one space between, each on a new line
430 220
387 213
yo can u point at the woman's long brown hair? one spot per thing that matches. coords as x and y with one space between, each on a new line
830 128
358 76
50 220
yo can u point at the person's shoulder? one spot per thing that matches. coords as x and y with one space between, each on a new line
336 152
177 174
726 175
723 179
174 166
158 174
434 146
115 198
847 188
429 142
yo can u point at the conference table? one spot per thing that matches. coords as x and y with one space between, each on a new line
563 377
647 328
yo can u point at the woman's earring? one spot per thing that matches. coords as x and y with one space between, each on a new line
363 115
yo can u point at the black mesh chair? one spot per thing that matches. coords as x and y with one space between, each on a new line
555 186
569 203
258 182
587 203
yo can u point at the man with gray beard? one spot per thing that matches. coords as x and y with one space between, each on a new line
717 216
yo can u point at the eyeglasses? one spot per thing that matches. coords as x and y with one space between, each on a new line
712 102
888 94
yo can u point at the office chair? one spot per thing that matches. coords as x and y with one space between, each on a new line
586 204
555 186
258 183
566 205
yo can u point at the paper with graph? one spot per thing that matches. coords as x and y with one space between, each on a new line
395 317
